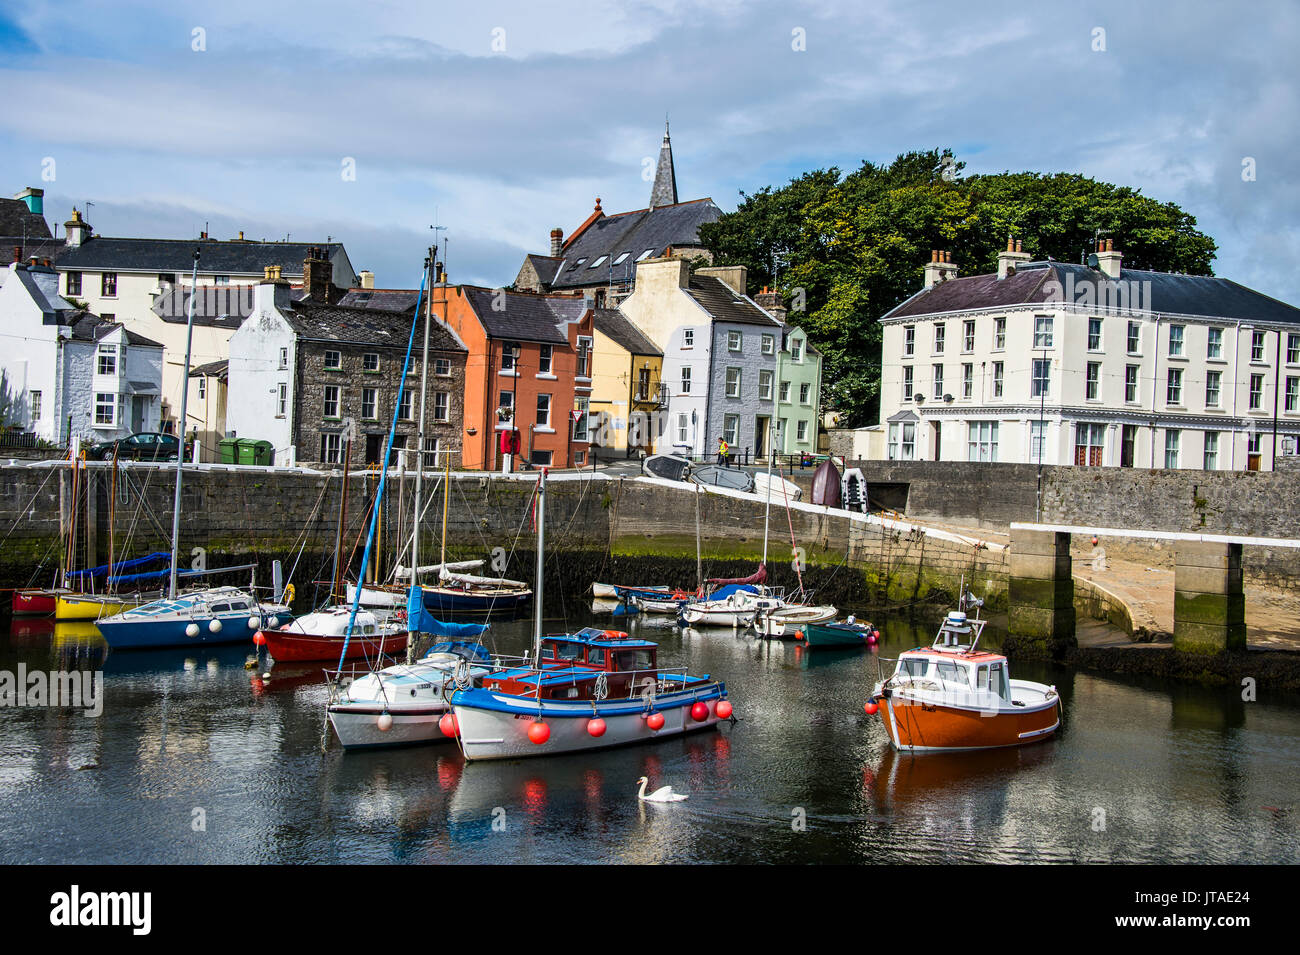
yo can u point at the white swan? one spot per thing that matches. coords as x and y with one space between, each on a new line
665 794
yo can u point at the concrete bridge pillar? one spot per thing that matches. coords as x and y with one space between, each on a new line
1209 599
1040 588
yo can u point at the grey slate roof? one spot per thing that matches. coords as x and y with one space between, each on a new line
363 326
389 300
218 306
42 284
664 190
1172 294
17 220
212 369
614 324
725 305
526 317
633 233
92 328
545 266
105 253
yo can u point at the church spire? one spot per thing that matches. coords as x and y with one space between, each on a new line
664 192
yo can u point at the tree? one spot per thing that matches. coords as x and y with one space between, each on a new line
856 244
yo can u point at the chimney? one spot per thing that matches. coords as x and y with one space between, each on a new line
1109 259
733 276
317 273
1013 256
940 268
367 278
18 254
661 274
273 292
557 243
34 199
77 231
769 300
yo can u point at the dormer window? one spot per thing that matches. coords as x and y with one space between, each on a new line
107 364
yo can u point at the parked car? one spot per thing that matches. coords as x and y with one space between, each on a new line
144 446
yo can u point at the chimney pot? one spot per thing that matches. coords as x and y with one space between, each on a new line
18 253
1018 248
557 243
1011 244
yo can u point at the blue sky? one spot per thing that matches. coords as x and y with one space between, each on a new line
502 120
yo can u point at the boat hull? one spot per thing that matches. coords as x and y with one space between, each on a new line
446 599
93 607
305 647
495 725
34 603
357 725
820 635
713 476
919 726
784 625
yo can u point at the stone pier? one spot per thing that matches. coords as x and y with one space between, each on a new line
1040 588
1209 599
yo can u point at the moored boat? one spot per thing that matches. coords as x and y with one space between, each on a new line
216 615
320 636
782 489
70 606
853 496
781 623
714 476
954 696
846 633
672 467
35 602
826 485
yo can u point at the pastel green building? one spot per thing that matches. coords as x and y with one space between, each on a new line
798 396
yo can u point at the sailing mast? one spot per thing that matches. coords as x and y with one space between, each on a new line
767 512
337 593
541 561
429 265
185 394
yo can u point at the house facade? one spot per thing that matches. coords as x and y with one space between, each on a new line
315 379
1094 365
626 392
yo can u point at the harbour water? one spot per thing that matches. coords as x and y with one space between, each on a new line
196 759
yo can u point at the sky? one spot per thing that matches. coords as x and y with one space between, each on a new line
371 123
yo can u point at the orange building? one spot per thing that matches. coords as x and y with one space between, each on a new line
529 370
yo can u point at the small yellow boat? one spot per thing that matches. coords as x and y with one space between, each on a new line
96 606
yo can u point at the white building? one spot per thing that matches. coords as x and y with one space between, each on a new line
64 371
1093 365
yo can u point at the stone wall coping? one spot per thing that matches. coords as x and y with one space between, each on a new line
1162 535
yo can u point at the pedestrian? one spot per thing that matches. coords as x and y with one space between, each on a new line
722 452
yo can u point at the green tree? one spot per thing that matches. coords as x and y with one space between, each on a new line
852 247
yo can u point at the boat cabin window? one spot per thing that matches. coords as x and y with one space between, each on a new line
913 667
628 660
952 672
998 682
562 650
596 656
219 608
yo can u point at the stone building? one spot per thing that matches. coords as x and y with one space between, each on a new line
308 376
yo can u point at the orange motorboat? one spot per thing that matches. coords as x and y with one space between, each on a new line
953 696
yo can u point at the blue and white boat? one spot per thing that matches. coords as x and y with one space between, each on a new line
213 616
589 690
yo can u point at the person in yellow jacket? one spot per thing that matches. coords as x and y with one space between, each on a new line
723 451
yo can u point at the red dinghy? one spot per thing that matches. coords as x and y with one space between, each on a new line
319 636
34 603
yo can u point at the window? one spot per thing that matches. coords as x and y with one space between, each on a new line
404 407
543 411
1171 448
221 280
796 350
282 399
688 338
939 333
506 402
203 388
765 385
1092 381
909 341
645 255
1211 459
1256 392
108 284
643 384
682 422
902 442
1042 331
1256 346
1293 349
769 344
331 448
1094 334
1214 343
1089 440
1037 440
370 361
801 431
982 441
620 258
967 380
907 384
1134 338
1127 445
166 278
1174 388
734 341
733 382
1042 378
999 334
544 359
508 352
599 261
968 336
1292 393
107 363
686 379
1213 387
369 403
105 409
997 379
1176 341
442 367
584 356
284 358
333 361
731 429
331 404
582 406
441 406
805 393
36 406
1130 383
785 385
938 381
74 283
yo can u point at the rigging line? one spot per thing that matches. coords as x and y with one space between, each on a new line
302 536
